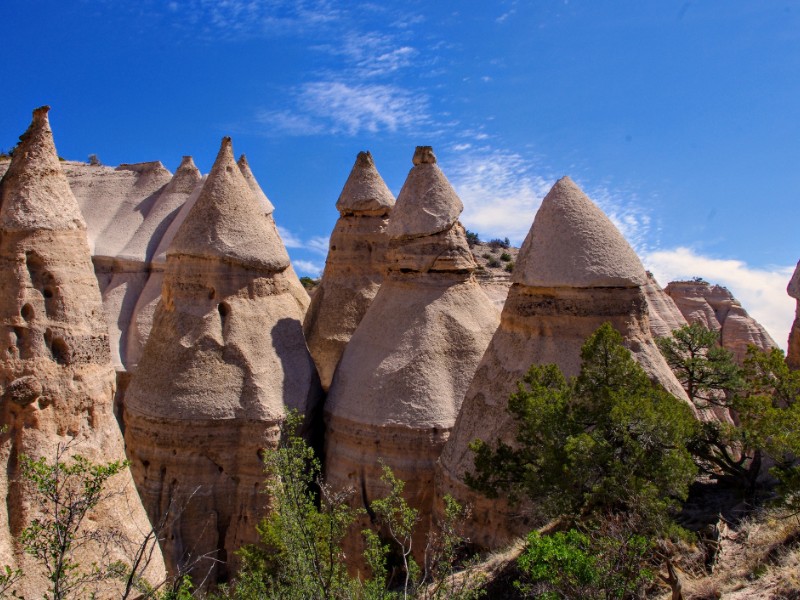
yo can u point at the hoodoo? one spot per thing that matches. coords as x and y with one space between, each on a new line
400 381
793 355
714 307
664 316
355 266
574 272
56 376
225 359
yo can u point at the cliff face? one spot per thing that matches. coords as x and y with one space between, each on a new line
354 268
224 359
574 272
402 377
715 307
56 377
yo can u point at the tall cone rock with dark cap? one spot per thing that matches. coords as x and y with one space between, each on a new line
400 381
793 354
714 307
355 266
56 378
225 358
574 272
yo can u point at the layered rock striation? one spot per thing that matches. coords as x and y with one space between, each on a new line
665 317
400 381
574 272
714 307
355 266
224 361
56 377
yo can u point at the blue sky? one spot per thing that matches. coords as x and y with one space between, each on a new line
681 119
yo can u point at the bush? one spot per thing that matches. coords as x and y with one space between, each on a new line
505 257
493 263
606 442
498 243
510 266
309 283
472 238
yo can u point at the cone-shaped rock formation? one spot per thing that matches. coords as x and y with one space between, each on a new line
224 359
244 167
400 382
793 355
56 377
714 307
354 269
574 272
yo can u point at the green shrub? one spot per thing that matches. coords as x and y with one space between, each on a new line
510 266
493 263
505 257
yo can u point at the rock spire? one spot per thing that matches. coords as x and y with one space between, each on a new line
574 272
793 289
400 381
244 167
56 377
354 268
224 360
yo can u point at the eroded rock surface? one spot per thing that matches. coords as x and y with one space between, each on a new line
56 377
714 307
574 272
225 358
401 379
664 314
354 268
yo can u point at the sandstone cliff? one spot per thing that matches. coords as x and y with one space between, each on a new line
354 268
224 359
574 272
56 377
715 307
402 377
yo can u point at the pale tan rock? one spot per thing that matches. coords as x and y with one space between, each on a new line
664 314
354 268
543 324
244 167
400 381
793 353
427 203
56 378
714 307
224 360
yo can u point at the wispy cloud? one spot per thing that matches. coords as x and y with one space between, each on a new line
369 54
500 191
762 291
338 107
307 267
317 244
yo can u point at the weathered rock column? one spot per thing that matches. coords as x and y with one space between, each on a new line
224 360
574 272
793 354
56 376
402 377
354 268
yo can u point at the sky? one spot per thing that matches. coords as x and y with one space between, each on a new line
681 119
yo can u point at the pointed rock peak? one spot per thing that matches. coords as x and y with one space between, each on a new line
187 164
572 243
35 192
185 178
364 190
244 167
227 222
427 203
423 155
794 283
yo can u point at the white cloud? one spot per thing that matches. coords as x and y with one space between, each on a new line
290 240
307 267
762 291
500 192
319 244
338 107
